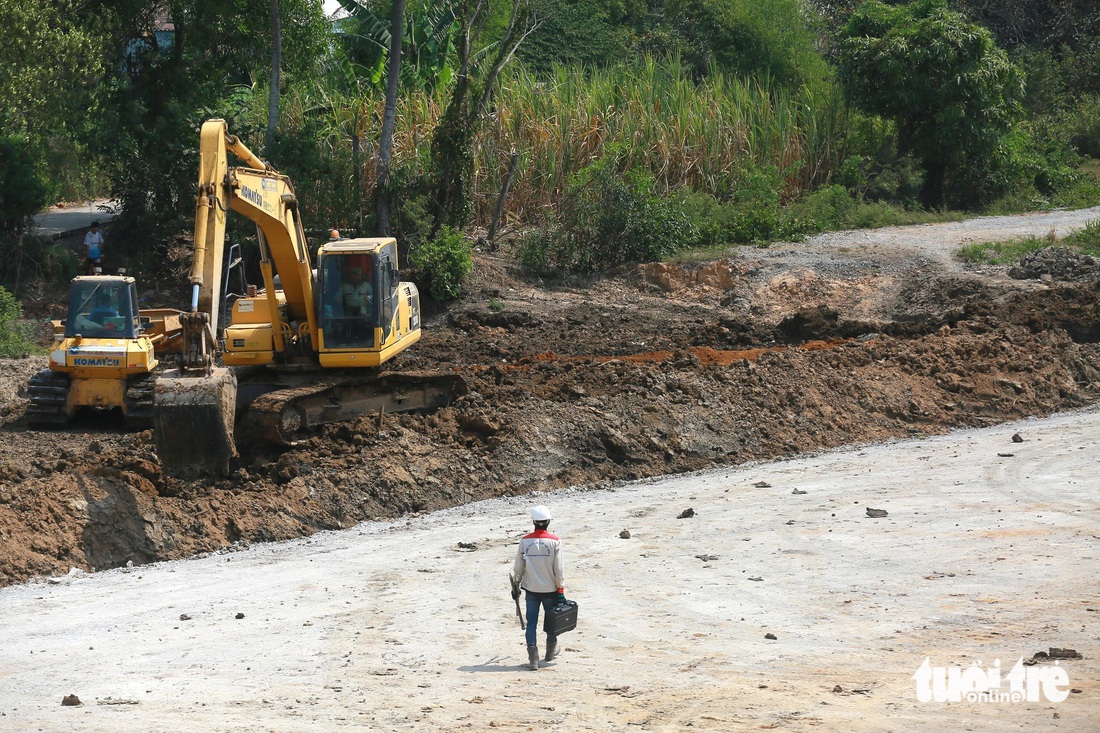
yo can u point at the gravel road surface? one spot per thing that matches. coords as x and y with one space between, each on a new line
988 552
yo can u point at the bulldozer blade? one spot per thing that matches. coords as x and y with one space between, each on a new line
193 420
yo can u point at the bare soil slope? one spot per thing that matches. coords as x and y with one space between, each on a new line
848 338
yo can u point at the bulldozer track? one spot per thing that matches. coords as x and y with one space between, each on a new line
49 392
139 401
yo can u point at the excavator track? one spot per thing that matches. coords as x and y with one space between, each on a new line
283 416
49 394
139 401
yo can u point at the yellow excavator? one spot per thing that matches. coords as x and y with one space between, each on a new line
299 350
104 355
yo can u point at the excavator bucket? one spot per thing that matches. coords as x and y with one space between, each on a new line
193 420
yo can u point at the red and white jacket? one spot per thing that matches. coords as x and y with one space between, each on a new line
539 565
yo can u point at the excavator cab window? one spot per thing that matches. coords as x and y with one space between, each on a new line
102 309
348 305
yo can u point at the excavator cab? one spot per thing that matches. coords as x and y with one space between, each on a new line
348 309
365 314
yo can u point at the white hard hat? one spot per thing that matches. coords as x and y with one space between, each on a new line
540 514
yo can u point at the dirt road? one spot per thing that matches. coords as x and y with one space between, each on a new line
988 552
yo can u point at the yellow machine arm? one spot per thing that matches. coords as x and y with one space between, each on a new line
260 193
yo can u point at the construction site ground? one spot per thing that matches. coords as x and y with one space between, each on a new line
710 369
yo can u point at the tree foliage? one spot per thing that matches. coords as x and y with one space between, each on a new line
951 91
428 41
178 64
587 32
23 192
1048 24
50 61
755 38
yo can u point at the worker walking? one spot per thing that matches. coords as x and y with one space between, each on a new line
540 571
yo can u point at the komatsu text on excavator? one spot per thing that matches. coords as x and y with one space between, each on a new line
301 350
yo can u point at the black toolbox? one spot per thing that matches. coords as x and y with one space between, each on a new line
562 618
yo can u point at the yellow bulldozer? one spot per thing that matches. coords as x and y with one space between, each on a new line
103 355
300 349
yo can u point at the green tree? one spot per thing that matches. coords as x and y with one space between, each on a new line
752 38
427 44
50 62
50 73
174 67
1048 24
952 93
585 32
389 117
22 191
484 49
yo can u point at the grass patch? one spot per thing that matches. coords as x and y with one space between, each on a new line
1002 253
1092 167
873 215
723 226
1086 241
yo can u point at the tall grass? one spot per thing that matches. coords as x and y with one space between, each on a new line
700 137
708 137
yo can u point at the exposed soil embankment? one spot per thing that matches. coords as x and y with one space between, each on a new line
655 370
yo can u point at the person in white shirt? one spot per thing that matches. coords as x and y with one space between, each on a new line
93 242
540 571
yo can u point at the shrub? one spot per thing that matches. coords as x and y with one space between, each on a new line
443 262
609 217
722 224
16 339
1082 126
37 258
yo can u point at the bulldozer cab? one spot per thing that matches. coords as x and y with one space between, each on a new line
103 307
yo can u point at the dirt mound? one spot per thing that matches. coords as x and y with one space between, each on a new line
652 371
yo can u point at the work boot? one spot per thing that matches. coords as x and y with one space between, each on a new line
551 650
533 658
